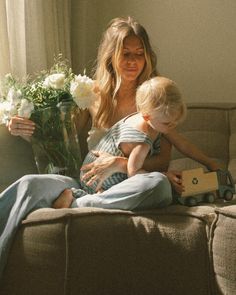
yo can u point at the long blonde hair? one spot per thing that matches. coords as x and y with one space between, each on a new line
110 49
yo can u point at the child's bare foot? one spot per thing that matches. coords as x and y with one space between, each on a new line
64 200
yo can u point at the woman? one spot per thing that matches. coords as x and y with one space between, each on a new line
125 60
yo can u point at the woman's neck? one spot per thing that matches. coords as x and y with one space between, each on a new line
125 102
127 89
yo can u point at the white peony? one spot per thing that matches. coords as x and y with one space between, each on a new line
81 89
26 108
14 96
55 81
7 110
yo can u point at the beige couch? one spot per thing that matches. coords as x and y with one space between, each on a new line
173 251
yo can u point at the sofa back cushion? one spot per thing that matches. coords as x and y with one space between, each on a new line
212 127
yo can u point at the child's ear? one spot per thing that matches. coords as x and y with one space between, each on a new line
146 117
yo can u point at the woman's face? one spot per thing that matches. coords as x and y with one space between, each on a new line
132 59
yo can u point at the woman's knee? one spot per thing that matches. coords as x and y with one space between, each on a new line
162 192
46 184
29 179
30 182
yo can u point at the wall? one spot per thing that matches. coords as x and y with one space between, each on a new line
195 41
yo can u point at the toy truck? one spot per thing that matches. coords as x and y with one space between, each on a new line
206 187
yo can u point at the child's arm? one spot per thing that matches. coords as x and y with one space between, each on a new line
159 162
136 159
190 150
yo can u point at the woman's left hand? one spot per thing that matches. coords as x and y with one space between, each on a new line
103 167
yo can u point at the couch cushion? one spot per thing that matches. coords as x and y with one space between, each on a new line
224 250
97 251
16 158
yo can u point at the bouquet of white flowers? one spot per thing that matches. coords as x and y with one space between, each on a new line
52 100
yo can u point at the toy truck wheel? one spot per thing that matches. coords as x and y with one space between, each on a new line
228 195
209 198
191 201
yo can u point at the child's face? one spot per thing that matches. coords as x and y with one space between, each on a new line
162 123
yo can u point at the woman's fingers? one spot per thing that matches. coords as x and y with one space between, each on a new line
92 180
19 126
88 175
99 186
87 167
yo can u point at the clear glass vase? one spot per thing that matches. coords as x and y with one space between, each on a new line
55 141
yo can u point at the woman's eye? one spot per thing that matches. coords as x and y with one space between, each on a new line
128 54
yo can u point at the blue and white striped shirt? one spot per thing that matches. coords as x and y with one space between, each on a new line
110 143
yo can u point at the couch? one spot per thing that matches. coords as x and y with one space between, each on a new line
176 250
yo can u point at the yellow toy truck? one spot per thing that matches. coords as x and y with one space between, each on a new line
205 187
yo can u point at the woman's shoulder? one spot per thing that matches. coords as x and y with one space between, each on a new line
93 109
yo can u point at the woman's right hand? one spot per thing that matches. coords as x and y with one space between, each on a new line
102 168
19 126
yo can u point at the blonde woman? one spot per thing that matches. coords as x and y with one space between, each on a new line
125 60
136 137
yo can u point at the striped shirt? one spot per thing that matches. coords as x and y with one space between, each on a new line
110 143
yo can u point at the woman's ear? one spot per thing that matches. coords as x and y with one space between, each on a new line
146 117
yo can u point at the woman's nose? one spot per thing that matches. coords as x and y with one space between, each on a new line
131 58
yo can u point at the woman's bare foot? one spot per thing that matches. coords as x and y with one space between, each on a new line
64 200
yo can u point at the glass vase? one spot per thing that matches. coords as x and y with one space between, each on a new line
55 141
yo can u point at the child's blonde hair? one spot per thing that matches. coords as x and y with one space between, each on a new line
160 94
106 74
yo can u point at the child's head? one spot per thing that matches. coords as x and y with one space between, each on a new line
160 102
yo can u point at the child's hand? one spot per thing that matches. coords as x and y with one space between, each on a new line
175 178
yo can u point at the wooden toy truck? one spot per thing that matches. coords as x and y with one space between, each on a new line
205 187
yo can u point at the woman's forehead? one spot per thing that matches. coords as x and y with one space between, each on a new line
132 42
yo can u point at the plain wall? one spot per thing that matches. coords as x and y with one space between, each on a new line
195 40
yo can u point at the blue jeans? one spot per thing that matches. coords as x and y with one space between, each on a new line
140 192
31 192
